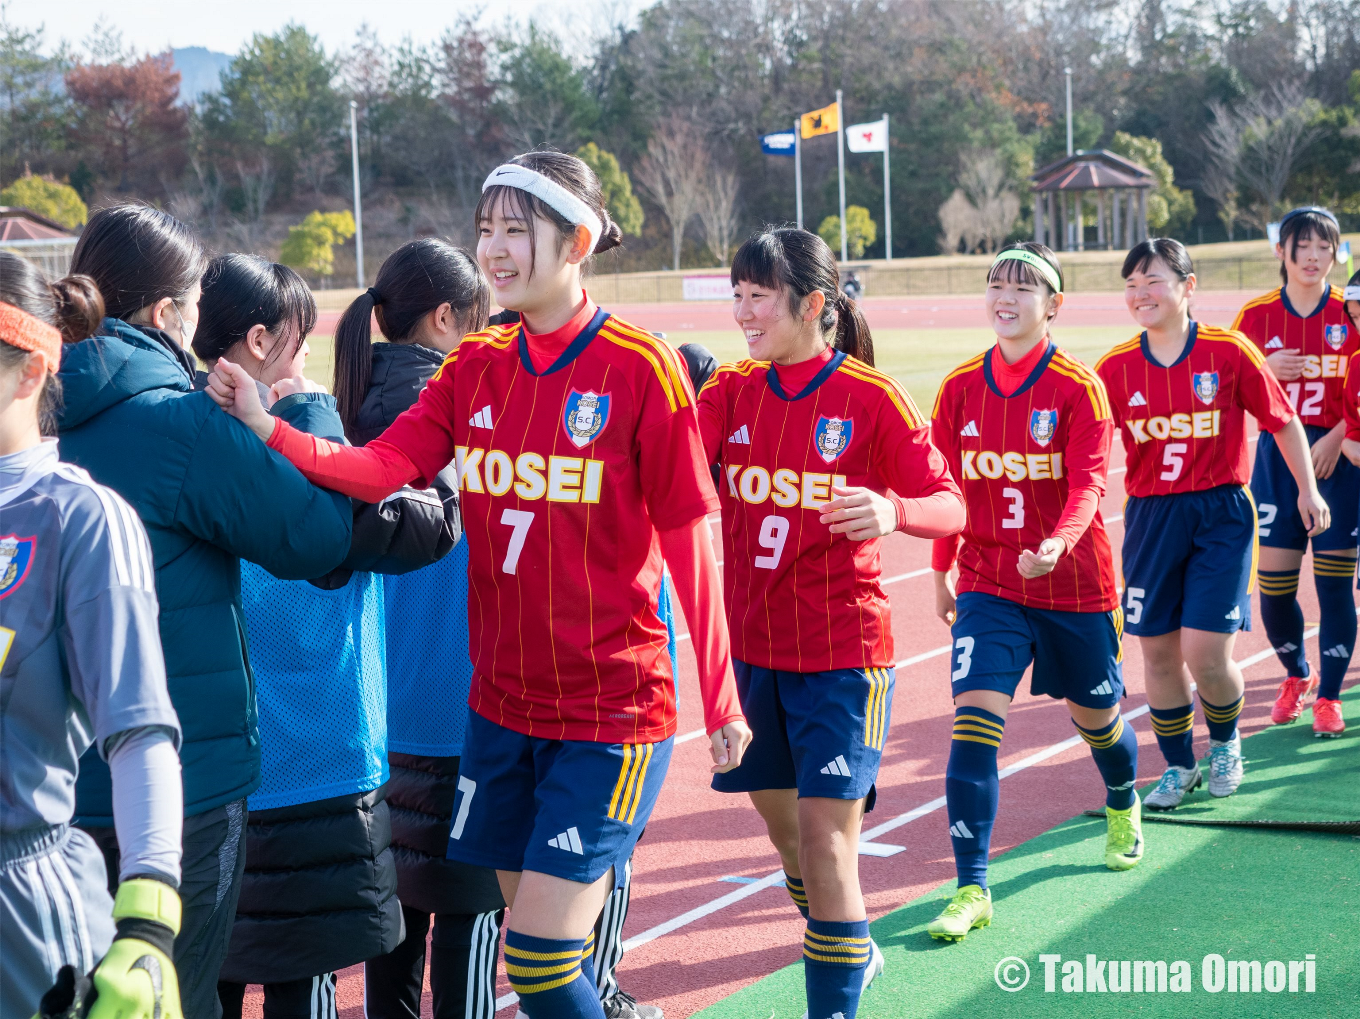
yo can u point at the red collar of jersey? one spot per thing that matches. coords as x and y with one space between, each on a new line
545 348
793 377
1009 377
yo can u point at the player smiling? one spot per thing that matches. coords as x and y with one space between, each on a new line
814 444
1181 391
1026 429
1308 341
580 463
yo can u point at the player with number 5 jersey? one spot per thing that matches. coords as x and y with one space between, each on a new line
580 463
1181 392
1026 429
819 457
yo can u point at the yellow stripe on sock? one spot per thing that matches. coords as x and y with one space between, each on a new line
523 990
1216 714
1173 726
979 720
978 739
850 961
542 971
827 939
1106 741
520 953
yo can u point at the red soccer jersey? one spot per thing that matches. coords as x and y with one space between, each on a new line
1184 425
1016 458
566 477
1325 337
799 598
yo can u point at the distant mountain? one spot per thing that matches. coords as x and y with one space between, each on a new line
200 69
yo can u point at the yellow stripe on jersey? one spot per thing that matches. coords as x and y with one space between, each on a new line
743 368
499 337
1122 348
905 405
1255 302
971 365
1216 334
659 354
1095 388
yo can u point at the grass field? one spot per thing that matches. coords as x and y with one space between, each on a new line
918 358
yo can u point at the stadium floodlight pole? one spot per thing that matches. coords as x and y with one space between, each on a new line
358 203
840 166
798 165
887 194
1068 71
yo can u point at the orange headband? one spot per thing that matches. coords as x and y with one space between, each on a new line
22 330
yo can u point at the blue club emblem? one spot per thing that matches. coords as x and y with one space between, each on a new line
16 556
1206 386
833 436
585 417
1042 425
1336 336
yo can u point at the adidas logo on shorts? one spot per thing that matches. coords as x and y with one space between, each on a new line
1104 688
1275 343
570 840
960 831
970 430
1337 652
742 436
1236 613
482 419
837 767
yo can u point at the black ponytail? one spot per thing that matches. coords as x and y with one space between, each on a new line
799 262
414 280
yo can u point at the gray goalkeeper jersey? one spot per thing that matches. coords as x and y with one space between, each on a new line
80 653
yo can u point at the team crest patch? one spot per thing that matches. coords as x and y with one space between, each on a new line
16 556
833 436
586 415
1042 425
1206 386
1336 336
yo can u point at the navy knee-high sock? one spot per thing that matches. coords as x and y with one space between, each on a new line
970 787
1115 749
1222 718
547 976
834 957
797 893
1283 618
1175 729
1333 576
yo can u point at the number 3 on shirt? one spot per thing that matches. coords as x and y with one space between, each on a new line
520 521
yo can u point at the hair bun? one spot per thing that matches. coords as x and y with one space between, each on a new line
610 237
80 307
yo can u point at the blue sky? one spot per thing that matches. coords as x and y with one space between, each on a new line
154 25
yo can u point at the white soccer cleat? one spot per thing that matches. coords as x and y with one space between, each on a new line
871 971
1225 766
1176 784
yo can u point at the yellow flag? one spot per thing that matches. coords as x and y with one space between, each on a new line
823 121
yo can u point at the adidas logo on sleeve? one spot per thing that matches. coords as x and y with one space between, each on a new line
482 419
960 830
1138 399
569 840
837 767
970 430
741 437
1104 688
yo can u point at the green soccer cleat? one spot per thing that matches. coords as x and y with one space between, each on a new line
1124 836
971 907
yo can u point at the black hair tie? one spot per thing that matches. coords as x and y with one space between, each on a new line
377 298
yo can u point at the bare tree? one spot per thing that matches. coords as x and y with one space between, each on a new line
959 221
984 178
672 172
718 212
1222 141
257 187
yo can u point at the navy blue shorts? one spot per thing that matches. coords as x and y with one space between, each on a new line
1277 499
1189 560
1076 655
818 732
569 808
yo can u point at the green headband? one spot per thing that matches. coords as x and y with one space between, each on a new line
1030 258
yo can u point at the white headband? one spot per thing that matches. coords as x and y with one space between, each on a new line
558 198
1352 293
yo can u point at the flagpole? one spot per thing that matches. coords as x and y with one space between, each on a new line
358 202
887 194
798 165
840 166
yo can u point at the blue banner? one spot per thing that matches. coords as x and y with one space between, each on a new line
779 144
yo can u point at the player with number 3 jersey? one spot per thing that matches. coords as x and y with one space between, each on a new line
1181 391
1026 429
820 455
580 463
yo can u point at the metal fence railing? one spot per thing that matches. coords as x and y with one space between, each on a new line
52 256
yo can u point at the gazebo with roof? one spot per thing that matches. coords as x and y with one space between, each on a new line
1059 190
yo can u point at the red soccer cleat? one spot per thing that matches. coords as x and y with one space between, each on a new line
1289 700
1327 720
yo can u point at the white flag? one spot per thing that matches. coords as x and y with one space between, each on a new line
867 137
